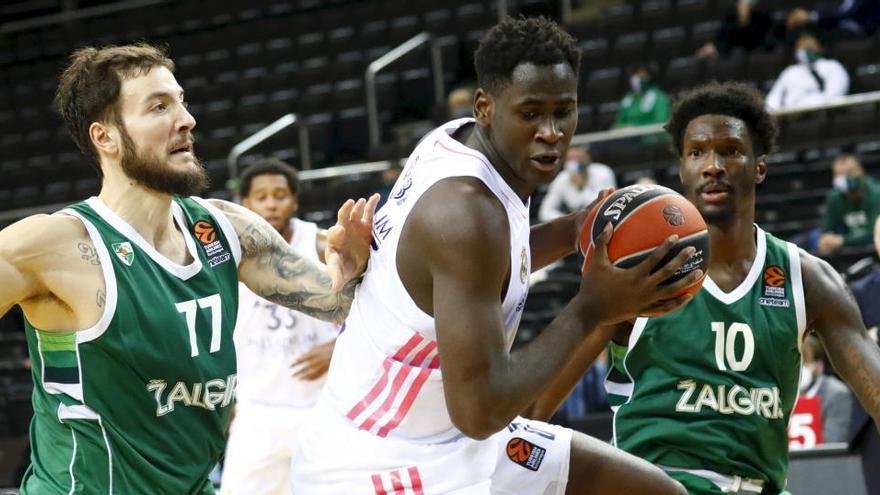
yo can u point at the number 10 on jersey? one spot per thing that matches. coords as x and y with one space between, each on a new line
725 346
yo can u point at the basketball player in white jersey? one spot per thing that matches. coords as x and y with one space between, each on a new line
282 354
424 392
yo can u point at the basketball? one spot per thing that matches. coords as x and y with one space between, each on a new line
643 216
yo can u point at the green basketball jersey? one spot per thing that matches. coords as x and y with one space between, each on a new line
711 386
140 403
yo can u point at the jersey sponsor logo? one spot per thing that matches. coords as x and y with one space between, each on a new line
216 260
774 288
207 395
525 453
764 402
524 265
673 215
124 252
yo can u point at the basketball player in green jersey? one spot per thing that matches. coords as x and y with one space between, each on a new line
705 392
130 297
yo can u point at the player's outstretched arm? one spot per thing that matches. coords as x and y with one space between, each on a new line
19 262
454 260
833 314
274 271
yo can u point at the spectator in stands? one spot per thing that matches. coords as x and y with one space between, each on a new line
748 29
576 186
460 103
645 103
851 208
867 291
813 80
845 18
835 398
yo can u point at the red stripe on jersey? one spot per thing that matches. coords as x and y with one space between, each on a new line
386 404
396 483
380 385
396 385
407 402
372 394
415 480
435 363
377 485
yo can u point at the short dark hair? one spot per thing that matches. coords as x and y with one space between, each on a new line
515 41
88 89
733 99
269 166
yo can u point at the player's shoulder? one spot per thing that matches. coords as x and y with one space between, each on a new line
43 237
460 211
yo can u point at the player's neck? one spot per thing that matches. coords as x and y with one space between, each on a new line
147 211
733 245
479 140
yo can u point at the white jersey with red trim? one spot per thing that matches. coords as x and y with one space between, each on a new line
269 337
385 374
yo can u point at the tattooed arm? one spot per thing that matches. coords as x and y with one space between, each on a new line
273 270
833 314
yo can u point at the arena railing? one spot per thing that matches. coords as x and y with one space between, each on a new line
379 166
386 60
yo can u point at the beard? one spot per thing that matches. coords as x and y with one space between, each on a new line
156 174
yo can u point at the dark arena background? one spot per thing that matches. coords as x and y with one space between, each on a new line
345 89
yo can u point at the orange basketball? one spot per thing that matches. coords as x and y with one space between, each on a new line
643 216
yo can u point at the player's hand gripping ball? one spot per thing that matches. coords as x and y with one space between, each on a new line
643 216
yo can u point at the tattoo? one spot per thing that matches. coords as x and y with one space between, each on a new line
101 298
289 279
88 253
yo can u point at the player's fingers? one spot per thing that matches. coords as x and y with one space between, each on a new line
358 211
600 245
672 265
370 209
344 211
680 285
648 264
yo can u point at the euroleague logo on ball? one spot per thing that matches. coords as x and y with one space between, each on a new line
673 215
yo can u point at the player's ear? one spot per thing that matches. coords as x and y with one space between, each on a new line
760 169
484 106
103 138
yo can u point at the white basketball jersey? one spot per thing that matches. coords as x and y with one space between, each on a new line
385 374
269 337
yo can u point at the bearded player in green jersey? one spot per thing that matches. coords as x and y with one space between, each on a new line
130 297
705 392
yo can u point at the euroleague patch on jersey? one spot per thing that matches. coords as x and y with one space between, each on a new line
525 453
774 288
207 236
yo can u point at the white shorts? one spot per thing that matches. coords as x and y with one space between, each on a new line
526 458
261 446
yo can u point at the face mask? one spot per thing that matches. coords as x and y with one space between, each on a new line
806 379
845 184
806 56
635 82
571 166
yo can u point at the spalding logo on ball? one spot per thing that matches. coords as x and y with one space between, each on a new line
643 216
